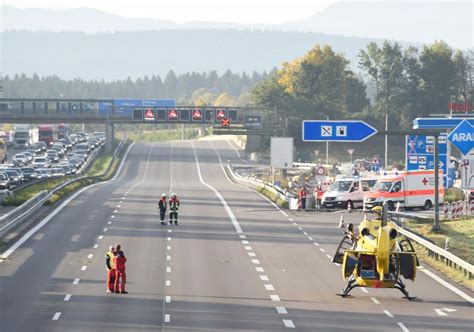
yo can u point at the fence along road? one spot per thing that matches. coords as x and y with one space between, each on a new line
203 273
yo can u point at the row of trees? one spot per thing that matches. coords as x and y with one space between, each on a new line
199 88
406 84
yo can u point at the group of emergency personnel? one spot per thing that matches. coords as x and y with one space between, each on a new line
115 265
173 208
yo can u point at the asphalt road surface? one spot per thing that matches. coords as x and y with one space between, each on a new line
234 262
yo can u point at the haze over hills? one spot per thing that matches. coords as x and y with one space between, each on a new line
93 44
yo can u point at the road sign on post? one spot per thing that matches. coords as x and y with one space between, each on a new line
336 131
462 137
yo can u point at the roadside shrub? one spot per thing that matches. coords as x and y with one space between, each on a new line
453 195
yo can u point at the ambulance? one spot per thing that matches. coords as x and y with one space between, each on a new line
412 189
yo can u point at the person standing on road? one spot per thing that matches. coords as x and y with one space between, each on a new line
110 267
303 193
174 207
162 207
119 262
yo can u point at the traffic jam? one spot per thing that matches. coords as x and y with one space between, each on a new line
44 151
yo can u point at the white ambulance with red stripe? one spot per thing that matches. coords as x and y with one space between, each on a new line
411 189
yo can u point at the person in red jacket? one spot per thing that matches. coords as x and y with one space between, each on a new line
303 193
119 262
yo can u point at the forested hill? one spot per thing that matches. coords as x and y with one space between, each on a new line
119 55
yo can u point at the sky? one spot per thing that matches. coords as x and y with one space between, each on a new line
232 11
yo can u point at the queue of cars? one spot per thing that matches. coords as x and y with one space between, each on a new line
64 156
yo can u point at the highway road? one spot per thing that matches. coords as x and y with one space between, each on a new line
234 262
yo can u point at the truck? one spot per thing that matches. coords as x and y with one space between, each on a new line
24 136
47 133
63 130
410 189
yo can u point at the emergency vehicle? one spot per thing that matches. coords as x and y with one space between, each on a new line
409 188
347 192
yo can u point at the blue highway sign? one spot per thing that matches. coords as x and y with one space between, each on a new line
336 131
462 137
438 123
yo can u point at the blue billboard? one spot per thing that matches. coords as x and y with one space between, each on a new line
124 107
420 153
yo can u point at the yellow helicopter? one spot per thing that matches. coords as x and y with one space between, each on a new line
377 257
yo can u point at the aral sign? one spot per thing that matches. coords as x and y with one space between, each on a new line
462 137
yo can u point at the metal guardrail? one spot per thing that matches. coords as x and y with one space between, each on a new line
434 251
18 215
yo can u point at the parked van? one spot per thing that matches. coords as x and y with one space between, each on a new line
346 192
409 188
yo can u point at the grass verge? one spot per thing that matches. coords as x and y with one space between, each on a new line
461 244
273 197
26 193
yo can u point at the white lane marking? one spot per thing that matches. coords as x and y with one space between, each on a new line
281 310
84 267
115 211
310 238
388 313
106 229
242 236
170 231
100 237
255 261
375 300
403 327
251 254
300 228
109 223
168 247
259 269
96 246
283 213
168 269
168 299
448 285
328 256
123 197
269 287
112 217
322 249
76 281
67 297
290 219
295 224
118 206
231 215
56 316
275 298
364 289
43 222
168 283
305 233
121 202
168 258
264 278
169 239
316 244
167 318
245 242
288 323
90 256
248 247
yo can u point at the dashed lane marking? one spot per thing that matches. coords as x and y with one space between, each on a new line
281 310
76 281
328 256
305 233
115 211
374 300
283 213
84 267
106 229
100 237
56 316
364 289
168 283
242 236
264 278
289 323
67 297
96 246
245 242
251 254
169 239
388 313
290 219
168 299
170 231
167 318
248 248
90 256
310 238
295 224
316 244
300 228
112 217
269 287
168 247
275 298
255 261
322 249
168 258
168 269
403 327
259 269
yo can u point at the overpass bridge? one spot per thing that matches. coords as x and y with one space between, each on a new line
251 121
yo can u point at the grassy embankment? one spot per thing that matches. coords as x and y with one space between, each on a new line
461 244
162 135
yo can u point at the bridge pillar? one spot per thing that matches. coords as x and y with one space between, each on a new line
254 143
110 135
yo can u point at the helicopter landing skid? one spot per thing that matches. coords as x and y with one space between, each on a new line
349 286
401 287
